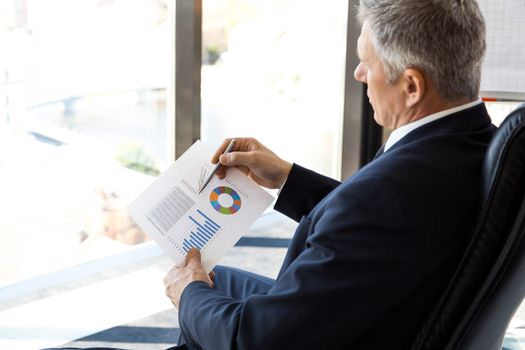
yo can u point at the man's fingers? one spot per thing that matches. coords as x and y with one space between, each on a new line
211 275
167 278
221 172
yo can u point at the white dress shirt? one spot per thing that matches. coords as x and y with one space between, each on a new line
402 131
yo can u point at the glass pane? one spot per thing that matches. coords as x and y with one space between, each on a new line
82 126
275 70
499 110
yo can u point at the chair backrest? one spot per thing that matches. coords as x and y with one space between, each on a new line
489 284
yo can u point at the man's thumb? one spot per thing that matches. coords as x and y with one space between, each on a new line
236 158
194 255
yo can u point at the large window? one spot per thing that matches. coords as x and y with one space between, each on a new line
82 126
498 111
275 70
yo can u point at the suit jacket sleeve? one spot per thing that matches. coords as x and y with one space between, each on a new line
333 291
302 191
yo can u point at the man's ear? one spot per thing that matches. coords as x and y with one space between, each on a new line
414 86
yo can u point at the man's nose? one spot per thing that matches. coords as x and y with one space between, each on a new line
360 73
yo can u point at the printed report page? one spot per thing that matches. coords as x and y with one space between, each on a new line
173 213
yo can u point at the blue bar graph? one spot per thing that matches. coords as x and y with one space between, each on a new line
203 232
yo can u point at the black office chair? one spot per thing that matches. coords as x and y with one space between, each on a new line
489 285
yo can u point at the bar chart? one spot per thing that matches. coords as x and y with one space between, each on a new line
204 231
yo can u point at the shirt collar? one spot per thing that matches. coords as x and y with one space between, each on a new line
402 131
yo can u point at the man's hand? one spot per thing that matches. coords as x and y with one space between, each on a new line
255 160
179 277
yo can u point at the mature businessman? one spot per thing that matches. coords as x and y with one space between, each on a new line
370 255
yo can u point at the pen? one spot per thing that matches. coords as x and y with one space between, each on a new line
210 176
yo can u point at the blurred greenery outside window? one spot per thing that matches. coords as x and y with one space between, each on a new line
83 88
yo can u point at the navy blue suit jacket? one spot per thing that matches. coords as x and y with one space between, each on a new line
369 256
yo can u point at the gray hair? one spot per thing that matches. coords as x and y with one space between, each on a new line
443 38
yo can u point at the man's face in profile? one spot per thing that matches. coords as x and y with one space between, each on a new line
387 100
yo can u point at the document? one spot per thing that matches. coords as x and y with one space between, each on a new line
173 213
